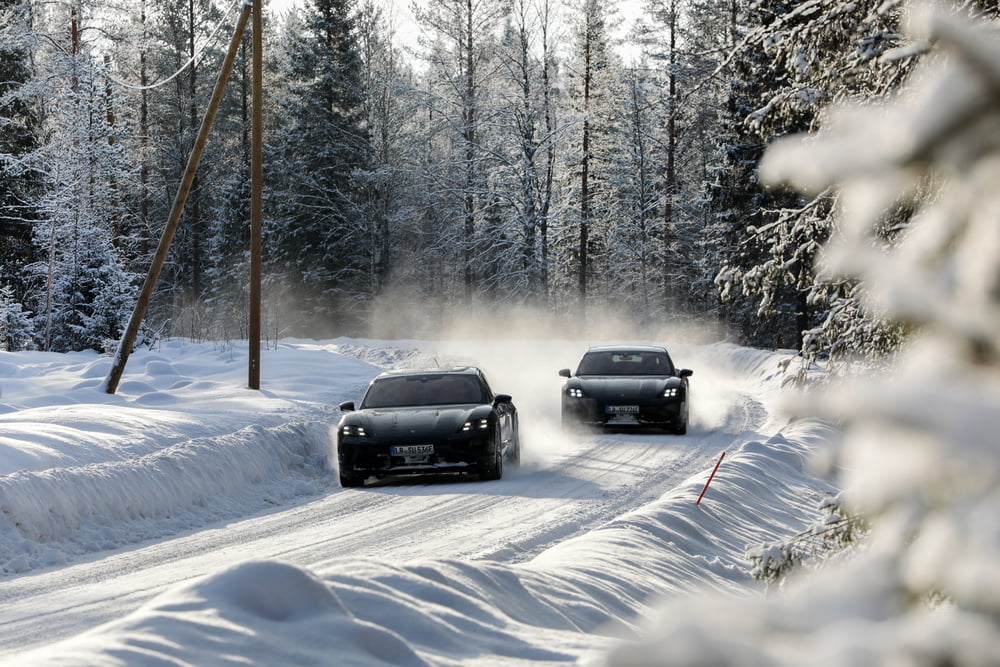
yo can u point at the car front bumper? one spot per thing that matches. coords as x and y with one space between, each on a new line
362 456
590 412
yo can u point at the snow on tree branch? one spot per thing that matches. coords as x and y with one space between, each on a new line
919 457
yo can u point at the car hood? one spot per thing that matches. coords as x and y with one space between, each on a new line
416 424
615 388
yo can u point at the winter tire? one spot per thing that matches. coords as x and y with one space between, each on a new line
680 427
514 450
493 465
349 481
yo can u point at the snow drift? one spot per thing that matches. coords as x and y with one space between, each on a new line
571 602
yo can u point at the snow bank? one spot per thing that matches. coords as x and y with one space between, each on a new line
55 414
182 443
47 514
570 603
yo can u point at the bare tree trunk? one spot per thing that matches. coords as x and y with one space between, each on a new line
529 149
144 169
194 123
585 175
670 178
116 221
642 205
469 137
550 150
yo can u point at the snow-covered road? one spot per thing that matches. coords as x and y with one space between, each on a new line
567 487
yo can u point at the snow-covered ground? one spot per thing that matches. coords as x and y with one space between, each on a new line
191 520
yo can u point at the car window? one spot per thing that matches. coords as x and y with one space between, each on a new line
625 363
421 390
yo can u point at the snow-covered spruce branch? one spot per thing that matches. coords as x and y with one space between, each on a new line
834 535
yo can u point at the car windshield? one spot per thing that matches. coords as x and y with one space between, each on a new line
422 390
625 363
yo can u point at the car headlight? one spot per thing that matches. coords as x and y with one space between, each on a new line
473 424
353 430
574 392
670 392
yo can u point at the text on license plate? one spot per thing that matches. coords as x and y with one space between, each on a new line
621 409
412 450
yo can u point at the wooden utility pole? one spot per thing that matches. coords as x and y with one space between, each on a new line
256 194
146 293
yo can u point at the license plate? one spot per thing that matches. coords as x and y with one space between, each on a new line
412 450
621 409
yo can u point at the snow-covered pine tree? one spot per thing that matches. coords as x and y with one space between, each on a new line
815 56
765 309
92 295
16 326
20 184
83 293
321 247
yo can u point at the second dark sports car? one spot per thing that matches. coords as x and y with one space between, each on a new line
427 421
626 385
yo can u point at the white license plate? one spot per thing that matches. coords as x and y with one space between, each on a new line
412 450
621 409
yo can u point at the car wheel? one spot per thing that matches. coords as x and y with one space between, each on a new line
680 427
514 450
492 467
350 481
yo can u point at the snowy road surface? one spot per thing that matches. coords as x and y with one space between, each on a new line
65 576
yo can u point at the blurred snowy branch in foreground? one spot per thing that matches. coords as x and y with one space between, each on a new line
920 458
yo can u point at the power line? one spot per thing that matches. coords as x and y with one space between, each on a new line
195 58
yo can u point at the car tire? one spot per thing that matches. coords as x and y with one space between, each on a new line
351 481
492 466
680 427
514 449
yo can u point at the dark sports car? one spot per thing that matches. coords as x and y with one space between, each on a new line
622 386
412 422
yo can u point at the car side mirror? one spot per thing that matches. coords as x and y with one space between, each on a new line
685 373
347 406
503 398
565 373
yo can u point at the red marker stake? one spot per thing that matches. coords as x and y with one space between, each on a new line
710 478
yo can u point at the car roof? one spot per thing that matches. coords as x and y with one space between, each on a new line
456 370
627 348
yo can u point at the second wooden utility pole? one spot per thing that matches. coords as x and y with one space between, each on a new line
256 194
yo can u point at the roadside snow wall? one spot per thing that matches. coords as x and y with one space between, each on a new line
570 603
46 515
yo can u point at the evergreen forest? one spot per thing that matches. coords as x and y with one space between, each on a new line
558 155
